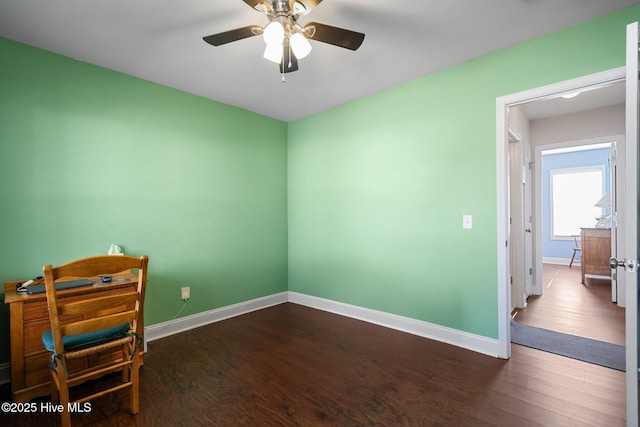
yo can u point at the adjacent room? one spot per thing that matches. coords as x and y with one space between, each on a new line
575 300
322 242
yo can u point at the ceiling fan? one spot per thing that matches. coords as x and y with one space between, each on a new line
286 39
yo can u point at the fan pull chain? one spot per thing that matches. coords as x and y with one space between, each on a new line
288 65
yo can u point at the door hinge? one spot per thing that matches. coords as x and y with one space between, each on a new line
531 272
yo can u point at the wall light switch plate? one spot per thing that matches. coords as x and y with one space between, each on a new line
467 222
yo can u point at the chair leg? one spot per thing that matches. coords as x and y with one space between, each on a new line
134 376
572 258
126 375
66 418
55 396
63 391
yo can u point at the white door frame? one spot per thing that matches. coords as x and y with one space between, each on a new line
502 171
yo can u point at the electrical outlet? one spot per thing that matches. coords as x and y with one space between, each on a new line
185 293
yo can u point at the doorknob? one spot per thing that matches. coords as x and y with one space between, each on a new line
528 230
614 263
630 265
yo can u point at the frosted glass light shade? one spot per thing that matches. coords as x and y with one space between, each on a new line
273 33
300 45
273 52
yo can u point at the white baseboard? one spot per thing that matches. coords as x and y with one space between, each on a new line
432 331
164 329
421 328
559 261
5 373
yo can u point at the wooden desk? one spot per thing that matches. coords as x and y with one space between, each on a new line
596 251
29 318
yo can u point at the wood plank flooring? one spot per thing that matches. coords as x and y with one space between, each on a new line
291 365
570 307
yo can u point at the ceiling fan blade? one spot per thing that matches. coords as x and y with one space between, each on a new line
333 35
289 62
233 35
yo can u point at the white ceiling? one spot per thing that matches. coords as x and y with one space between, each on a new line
161 41
590 99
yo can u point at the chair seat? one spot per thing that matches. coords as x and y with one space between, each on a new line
75 342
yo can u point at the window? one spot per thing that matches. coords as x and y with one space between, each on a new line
574 193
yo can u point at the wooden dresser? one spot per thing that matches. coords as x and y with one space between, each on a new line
29 318
596 251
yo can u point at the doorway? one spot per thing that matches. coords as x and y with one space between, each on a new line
503 105
571 180
627 265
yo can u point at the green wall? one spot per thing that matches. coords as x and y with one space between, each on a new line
91 157
361 204
378 187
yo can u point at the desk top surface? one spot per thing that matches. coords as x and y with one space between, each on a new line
11 295
596 232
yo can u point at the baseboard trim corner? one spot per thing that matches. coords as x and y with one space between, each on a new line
421 328
473 342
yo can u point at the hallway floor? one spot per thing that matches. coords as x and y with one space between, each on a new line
570 307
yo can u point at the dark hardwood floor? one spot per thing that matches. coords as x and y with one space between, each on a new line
291 365
570 307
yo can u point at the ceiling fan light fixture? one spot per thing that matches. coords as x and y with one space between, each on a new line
286 39
571 95
273 33
261 7
298 8
273 53
300 45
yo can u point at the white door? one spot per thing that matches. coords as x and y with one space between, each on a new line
613 163
528 223
629 220
517 222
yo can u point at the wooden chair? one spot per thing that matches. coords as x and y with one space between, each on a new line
577 248
100 328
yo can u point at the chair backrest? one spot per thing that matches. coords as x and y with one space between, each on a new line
578 240
70 316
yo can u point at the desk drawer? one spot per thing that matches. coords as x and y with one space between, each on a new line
38 309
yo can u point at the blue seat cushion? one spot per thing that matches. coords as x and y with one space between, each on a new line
75 342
